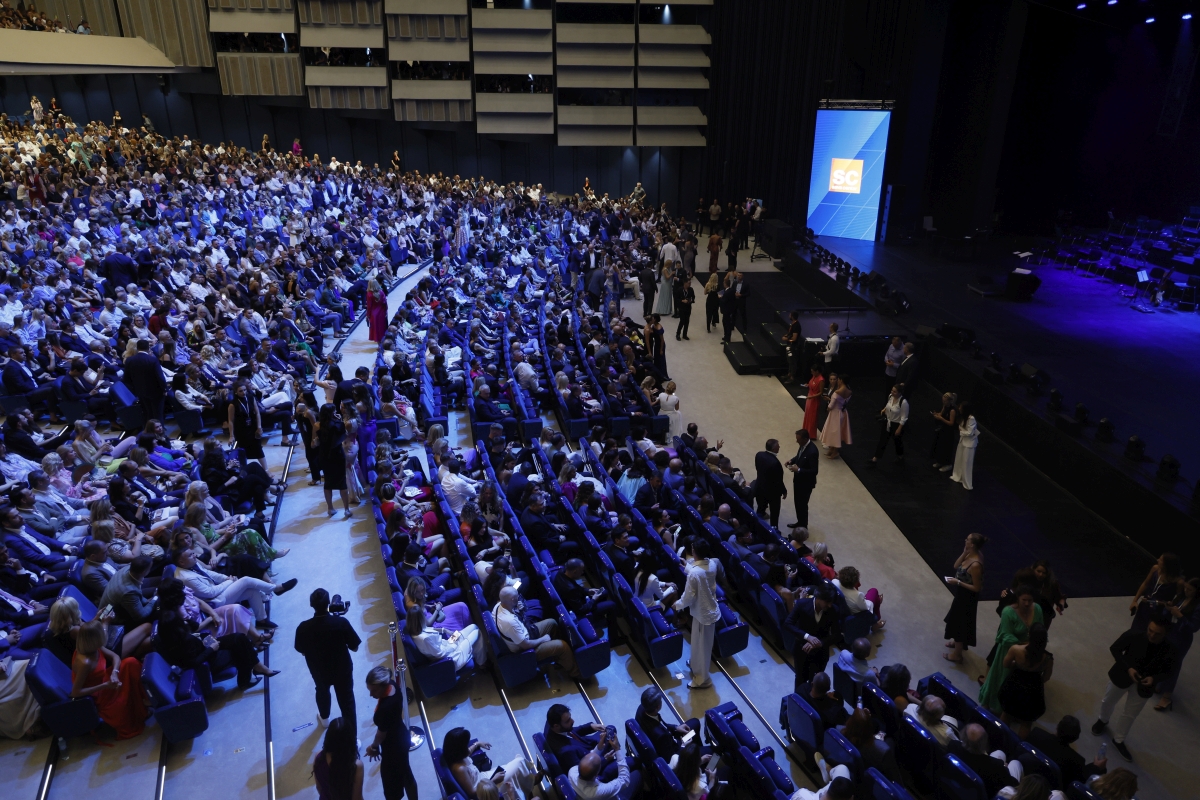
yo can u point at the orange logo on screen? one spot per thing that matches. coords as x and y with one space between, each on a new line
846 175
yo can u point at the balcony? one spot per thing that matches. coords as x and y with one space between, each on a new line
269 74
251 16
39 53
514 113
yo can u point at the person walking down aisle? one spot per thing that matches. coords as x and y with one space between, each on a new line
1015 623
377 311
329 433
965 583
968 442
712 302
803 466
1023 695
325 641
687 298
337 769
700 598
1141 659
390 747
729 304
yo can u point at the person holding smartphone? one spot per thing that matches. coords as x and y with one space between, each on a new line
586 778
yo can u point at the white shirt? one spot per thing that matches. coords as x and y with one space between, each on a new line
458 490
831 347
593 789
431 643
700 594
968 436
854 599
896 411
511 629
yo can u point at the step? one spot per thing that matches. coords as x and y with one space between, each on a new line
769 359
742 358
775 332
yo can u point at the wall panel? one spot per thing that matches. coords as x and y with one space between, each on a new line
179 28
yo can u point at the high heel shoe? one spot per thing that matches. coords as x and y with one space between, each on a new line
1167 707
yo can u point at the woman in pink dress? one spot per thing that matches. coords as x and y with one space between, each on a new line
836 432
377 310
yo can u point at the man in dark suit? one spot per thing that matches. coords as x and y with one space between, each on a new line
77 389
972 750
38 553
1057 747
145 379
1141 659
325 641
829 705
814 623
651 498
769 489
487 410
803 466
664 738
618 553
543 532
906 372
18 380
649 289
569 743
578 598
97 570
435 587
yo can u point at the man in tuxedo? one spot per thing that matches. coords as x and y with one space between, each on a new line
18 380
651 497
906 372
97 570
814 623
803 466
619 553
570 743
1057 747
144 377
649 288
664 738
769 489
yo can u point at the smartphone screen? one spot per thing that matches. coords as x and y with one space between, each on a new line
687 737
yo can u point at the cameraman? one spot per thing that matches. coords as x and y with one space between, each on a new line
325 641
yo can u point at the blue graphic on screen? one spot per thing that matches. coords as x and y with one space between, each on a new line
847 173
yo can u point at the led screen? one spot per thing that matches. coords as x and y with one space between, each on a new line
847 173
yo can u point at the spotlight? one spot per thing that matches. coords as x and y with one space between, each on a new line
1187 16
1055 403
1081 7
1105 430
1135 448
1081 413
1168 469
1112 2
1149 20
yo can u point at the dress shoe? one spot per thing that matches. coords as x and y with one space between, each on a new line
1099 727
255 681
1123 750
284 587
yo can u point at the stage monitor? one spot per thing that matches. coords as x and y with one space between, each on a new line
849 149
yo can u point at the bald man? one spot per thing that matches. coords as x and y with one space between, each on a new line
585 778
516 635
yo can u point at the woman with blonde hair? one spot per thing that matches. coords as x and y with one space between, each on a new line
1117 784
377 311
89 450
113 683
229 540
60 479
62 628
668 406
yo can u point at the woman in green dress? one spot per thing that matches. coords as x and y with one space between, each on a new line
229 539
1015 622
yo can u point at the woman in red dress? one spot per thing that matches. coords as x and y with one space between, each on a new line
117 691
377 310
816 385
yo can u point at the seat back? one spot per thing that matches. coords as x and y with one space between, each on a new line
883 789
665 781
957 781
803 723
1037 762
844 685
916 752
49 679
160 682
858 626
1081 791
881 707
839 750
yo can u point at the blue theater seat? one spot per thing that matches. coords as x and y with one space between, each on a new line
175 698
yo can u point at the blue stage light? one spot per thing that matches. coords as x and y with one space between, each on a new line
1081 7
1187 16
1149 20
1112 2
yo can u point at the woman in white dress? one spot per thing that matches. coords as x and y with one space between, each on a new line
968 441
668 406
438 643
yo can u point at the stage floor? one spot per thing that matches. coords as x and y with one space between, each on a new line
1024 514
1140 370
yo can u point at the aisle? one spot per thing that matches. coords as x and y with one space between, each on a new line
343 557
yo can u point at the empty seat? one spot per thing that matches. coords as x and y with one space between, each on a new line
175 698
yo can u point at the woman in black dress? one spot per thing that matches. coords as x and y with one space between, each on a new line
245 423
328 438
1023 693
945 434
306 421
966 583
390 746
656 341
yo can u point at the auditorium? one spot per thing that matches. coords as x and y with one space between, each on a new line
582 399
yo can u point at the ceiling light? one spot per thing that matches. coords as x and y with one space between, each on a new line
1149 20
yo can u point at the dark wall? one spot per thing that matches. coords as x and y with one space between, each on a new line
1083 132
194 106
774 60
